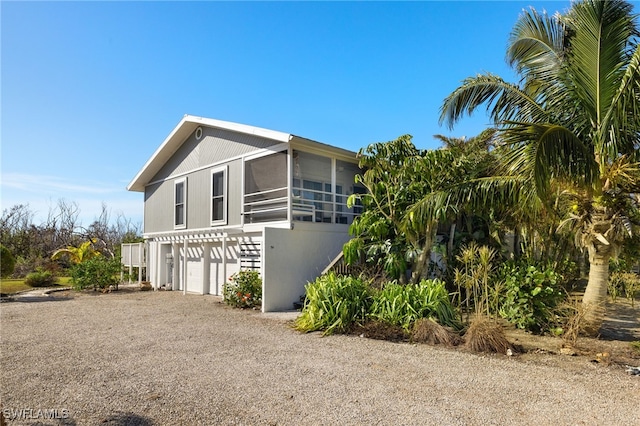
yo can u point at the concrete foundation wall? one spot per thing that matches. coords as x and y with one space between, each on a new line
292 258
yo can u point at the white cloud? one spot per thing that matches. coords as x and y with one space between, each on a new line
42 192
47 184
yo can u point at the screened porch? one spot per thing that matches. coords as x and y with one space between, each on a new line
303 187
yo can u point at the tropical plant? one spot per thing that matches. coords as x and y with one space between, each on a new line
83 252
396 176
570 124
403 305
244 289
531 295
475 276
333 303
96 272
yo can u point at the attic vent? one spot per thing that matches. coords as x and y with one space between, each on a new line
199 133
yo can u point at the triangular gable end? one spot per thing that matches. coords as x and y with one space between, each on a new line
181 133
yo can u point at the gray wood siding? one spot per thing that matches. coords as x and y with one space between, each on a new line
158 207
159 202
216 145
198 199
234 193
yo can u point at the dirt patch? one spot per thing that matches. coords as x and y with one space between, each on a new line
613 347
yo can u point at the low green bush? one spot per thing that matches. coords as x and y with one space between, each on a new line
532 293
243 290
333 303
40 278
402 305
7 262
96 272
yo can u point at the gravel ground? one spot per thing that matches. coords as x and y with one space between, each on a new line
161 358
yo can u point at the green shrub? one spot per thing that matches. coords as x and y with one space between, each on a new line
96 272
333 303
244 290
40 278
531 295
402 305
7 262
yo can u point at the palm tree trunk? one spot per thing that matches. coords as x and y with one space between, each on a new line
595 295
421 268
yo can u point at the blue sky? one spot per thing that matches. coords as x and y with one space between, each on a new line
89 90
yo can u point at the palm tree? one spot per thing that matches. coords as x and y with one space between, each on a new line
84 251
571 122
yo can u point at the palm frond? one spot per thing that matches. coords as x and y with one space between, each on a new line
546 151
601 31
508 193
622 116
503 100
536 45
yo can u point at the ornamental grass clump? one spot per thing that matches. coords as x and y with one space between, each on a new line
403 305
426 330
333 303
485 335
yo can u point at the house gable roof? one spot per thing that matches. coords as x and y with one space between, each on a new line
181 132
190 123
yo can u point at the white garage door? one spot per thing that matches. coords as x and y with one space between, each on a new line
194 269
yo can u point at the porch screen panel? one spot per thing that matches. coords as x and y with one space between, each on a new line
312 187
345 186
265 188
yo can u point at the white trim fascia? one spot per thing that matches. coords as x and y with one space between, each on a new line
313 147
240 128
157 152
260 227
181 232
274 149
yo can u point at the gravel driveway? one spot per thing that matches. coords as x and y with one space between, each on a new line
161 358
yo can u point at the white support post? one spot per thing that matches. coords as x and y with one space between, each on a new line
140 248
224 263
160 263
175 279
184 266
130 263
206 268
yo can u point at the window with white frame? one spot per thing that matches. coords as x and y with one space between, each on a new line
219 196
180 203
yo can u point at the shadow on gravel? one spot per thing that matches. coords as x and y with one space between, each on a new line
118 419
621 323
32 299
126 419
